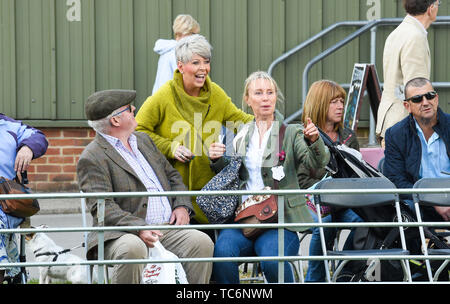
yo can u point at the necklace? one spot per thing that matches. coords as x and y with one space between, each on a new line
333 135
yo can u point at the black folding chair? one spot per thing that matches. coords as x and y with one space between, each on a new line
432 200
360 200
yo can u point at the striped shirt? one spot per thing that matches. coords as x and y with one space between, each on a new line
158 207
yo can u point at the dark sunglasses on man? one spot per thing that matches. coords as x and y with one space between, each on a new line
418 98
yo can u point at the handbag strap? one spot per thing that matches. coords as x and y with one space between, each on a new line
24 178
281 133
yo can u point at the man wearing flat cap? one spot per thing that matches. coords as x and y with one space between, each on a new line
122 160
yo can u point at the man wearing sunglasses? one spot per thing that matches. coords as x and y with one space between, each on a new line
406 56
419 145
122 160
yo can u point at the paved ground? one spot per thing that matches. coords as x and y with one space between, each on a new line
60 206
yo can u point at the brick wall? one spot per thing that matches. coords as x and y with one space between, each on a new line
56 170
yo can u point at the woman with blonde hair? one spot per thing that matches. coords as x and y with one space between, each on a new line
324 105
183 25
258 145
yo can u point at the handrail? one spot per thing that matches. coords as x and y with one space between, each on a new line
221 192
280 258
311 40
368 25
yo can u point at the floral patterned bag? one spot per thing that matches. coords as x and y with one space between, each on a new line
220 208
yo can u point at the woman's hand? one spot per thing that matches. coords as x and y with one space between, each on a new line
310 131
23 159
183 154
216 150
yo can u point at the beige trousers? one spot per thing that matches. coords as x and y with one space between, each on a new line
189 243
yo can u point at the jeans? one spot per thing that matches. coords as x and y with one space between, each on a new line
232 243
316 269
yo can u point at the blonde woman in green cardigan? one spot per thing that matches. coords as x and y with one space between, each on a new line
187 113
262 163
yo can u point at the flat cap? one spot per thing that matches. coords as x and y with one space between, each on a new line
102 103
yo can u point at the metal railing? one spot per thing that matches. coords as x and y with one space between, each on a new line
281 258
365 27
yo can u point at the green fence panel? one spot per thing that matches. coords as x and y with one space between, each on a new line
55 53
7 58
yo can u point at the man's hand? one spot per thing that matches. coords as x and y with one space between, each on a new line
23 159
444 212
180 216
150 237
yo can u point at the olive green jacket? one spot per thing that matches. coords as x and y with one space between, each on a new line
308 177
171 118
297 151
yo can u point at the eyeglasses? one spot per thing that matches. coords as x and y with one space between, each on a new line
418 98
127 108
437 2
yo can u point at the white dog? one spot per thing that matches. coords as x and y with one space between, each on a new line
46 250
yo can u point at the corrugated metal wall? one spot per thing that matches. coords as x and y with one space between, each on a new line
54 53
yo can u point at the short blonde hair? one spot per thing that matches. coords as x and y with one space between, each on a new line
318 100
184 25
261 75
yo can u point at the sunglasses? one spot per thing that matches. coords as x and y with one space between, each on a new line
127 108
418 98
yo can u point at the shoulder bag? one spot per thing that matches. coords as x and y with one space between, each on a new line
17 207
220 208
257 209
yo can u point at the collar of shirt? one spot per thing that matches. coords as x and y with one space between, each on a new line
116 143
418 22
434 158
431 140
158 207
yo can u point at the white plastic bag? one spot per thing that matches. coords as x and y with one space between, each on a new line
163 273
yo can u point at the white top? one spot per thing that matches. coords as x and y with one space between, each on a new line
253 160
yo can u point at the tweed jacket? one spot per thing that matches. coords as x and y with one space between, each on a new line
403 153
297 152
102 169
406 56
171 117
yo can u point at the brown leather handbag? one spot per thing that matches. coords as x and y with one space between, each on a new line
265 211
17 207
258 209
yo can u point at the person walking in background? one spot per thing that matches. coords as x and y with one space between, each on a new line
406 56
187 114
324 105
183 25
19 145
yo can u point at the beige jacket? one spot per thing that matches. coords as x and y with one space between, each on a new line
406 56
